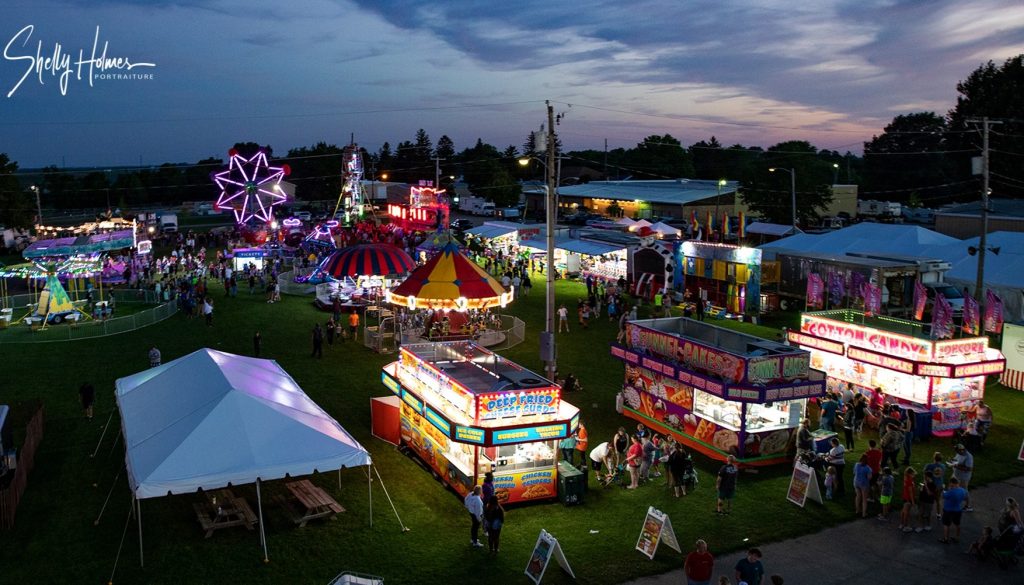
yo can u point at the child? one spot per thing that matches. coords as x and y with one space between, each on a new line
830 481
984 545
886 482
909 496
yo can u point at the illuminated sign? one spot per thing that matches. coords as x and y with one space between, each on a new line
866 337
774 368
412 400
701 382
518 403
805 390
529 434
437 420
391 383
686 352
247 253
817 343
958 347
469 435
574 423
144 247
885 361
979 369
934 370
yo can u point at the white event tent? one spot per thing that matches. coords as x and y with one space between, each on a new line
212 419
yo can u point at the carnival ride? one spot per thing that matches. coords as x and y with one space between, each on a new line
53 304
357 276
351 203
427 209
250 188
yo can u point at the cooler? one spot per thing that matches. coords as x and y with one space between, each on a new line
823 440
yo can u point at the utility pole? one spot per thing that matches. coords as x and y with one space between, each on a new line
979 293
550 215
437 171
605 159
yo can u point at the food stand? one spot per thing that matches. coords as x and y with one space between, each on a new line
466 411
723 274
243 257
892 359
716 390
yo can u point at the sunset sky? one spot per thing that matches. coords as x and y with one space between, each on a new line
292 74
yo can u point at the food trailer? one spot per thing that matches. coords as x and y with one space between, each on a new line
716 390
466 411
894 360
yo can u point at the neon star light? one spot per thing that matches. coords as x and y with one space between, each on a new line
250 187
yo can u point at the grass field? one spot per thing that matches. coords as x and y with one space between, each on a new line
55 540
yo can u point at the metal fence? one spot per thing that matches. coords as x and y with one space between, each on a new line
22 333
512 328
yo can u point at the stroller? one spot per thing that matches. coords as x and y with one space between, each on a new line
1009 544
689 478
618 476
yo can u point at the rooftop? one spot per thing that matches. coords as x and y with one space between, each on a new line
727 340
997 207
477 369
672 191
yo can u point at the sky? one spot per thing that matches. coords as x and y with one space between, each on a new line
205 74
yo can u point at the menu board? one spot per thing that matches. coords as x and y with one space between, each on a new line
547 547
803 484
657 529
526 485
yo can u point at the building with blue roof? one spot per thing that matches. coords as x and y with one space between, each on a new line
674 198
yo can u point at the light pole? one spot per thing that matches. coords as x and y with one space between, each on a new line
792 188
548 337
39 207
835 173
721 183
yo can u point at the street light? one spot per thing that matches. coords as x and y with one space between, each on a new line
835 173
792 188
549 313
721 183
39 207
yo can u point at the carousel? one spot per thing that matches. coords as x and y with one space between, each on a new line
357 276
449 298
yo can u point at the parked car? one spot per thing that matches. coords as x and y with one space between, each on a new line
954 295
303 215
461 225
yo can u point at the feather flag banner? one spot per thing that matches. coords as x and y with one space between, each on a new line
741 231
971 316
942 318
993 312
872 299
836 288
920 300
815 291
711 224
725 225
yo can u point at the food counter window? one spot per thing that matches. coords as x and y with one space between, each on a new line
956 390
522 456
779 415
722 412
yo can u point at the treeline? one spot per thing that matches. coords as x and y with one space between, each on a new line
920 158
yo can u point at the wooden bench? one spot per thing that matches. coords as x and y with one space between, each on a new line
308 502
240 514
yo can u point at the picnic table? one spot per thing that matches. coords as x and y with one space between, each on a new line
221 509
308 502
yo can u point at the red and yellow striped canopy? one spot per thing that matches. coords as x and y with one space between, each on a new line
449 280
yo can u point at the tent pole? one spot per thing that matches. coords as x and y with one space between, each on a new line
263 536
369 489
404 527
138 503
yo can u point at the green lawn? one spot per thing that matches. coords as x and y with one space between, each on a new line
67 487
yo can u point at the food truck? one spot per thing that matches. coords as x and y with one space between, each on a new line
466 411
894 360
719 391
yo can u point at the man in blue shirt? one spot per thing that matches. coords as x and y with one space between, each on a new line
952 509
750 570
829 408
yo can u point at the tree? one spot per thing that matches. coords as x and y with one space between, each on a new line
659 157
17 208
769 193
487 174
708 158
995 92
248 149
445 148
897 162
316 171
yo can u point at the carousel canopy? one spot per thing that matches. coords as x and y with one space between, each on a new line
367 260
449 280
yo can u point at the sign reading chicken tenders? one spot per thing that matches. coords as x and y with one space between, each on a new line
657 529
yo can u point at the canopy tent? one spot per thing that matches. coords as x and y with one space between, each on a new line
771 229
906 240
210 419
665 229
625 221
449 280
488 232
643 223
1004 272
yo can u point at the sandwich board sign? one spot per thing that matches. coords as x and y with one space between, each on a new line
547 546
657 529
803 484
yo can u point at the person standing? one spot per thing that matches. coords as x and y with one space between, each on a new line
568 447
563 319
804 438
494 519
87 394
353 323
726 485
862 486
908 435
936 471
475 507
329 330
621 443
829 408
700 308
849 425
487 489
647 451
953 500
678 465
208 310
257 342
874 455
963 469
634 456
154 357
909 497
892 441
836 457
749 569
318 341
699 565
581 445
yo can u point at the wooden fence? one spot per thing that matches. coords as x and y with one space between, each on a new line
11 495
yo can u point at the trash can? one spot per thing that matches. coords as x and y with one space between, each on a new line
570 484
823 440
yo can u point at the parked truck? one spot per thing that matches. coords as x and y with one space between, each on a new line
879 209
476 206
169 223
